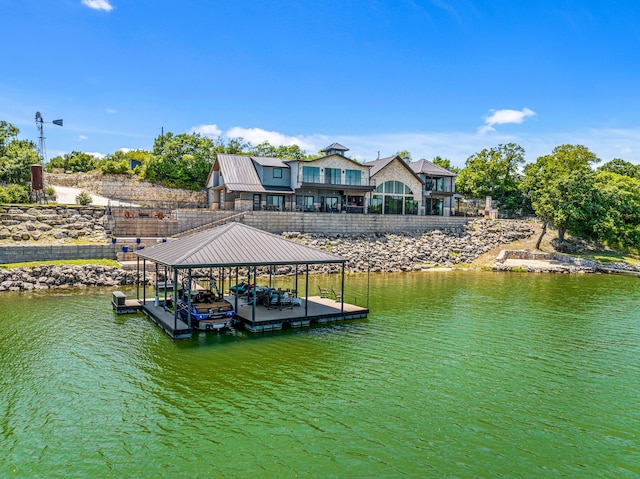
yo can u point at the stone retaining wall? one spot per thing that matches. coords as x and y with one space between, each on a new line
20 254
33 223
342 223
126 188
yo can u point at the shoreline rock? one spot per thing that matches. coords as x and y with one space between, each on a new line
377 252
65 276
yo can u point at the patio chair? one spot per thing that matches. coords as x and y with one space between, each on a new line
324 293
337 294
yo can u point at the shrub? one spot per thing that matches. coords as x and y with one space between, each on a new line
83 198
14 194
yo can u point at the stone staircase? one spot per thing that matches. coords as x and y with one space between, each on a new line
126 248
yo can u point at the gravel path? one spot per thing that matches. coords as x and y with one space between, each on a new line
67 196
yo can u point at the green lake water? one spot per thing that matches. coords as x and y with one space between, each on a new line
455 374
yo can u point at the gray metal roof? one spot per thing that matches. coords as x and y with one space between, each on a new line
377 165
234 244
239 173
428 168
269 161
335 146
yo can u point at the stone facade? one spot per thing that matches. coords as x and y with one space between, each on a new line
395 171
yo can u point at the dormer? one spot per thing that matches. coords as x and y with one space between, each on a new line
334 149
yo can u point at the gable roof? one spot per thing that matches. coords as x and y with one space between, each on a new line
239 173
380 163
234 244
428 168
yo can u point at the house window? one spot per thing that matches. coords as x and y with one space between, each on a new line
353 177
332 176
275 202
394 198
434 184
309 203
277 172
310 174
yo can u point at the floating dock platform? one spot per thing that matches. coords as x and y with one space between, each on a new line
318 311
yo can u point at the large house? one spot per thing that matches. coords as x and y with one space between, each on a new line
439 191
331 183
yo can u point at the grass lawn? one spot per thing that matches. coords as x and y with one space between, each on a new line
78 262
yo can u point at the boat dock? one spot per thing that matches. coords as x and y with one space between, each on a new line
215 253
318 311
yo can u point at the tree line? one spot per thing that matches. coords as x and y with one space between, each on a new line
565 189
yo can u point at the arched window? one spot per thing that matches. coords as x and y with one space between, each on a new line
393 198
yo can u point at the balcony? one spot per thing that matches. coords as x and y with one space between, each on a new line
321 180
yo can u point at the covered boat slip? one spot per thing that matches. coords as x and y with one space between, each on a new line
225 250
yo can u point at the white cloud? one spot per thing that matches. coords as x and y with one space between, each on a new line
111 110
82 137
98 5
207 130
97 155
502 117
456 146
258 135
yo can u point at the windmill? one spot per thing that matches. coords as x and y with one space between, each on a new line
37 178
42 152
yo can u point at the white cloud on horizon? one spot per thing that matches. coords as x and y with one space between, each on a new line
98 5
207 130
453 145
503 117
97 155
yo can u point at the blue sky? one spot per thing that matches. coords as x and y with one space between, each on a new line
435 77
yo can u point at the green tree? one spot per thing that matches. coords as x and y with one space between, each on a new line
560 187
618 222
75 162
405 155
180 161
494 172
119 163
16 156
621 167
8 133
446 164
282 151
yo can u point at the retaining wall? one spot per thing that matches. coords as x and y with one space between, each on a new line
19 254
125 188
342 223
